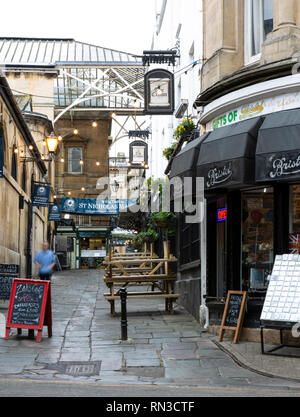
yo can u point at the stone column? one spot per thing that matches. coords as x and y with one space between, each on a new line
284 13
285 38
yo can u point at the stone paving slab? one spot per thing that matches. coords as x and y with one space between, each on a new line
249 354
162 349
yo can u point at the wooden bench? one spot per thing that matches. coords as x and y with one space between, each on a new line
141 271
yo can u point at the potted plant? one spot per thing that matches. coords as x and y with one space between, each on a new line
136 242
150 236
99 263
84 263
185 128
163 219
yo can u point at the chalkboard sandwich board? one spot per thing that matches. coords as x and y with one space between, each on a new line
5 286
9 269
234 314
8 272
30 307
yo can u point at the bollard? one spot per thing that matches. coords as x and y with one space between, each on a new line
123 295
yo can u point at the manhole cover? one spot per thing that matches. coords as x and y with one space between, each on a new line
76 368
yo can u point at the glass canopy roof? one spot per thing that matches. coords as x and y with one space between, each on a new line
89 76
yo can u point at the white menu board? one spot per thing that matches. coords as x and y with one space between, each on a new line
283 297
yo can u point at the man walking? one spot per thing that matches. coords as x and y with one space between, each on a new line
46 261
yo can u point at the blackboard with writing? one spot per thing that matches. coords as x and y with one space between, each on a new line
30 307
27 304
234 309
234 313
5 287
9 269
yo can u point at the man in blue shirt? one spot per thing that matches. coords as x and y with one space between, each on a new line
45 260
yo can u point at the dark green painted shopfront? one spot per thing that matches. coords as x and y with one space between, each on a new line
251 172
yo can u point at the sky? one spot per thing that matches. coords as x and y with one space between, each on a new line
125 25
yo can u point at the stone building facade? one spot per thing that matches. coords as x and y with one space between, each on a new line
249 107
16 183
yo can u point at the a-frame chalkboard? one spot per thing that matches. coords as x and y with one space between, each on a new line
234 314
30 307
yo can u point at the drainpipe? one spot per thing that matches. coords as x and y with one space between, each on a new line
30 232
204 312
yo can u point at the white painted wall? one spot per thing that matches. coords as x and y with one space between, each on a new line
177 21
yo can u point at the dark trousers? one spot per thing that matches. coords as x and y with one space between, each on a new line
45 277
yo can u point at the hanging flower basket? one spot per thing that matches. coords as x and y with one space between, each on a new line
168 152
185 128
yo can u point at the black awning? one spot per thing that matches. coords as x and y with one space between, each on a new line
184 164
227 157
278 147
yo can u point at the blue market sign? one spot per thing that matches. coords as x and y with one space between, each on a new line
41 195
1 157
54 213
95 206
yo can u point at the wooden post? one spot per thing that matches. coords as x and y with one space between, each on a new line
167 256
169 304
152 249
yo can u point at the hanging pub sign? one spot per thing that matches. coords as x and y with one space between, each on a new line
159 92
41 193
138 152
54 213
1 157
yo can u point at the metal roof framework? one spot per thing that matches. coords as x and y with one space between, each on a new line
90 77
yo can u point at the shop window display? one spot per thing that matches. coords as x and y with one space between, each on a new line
294 237
258 238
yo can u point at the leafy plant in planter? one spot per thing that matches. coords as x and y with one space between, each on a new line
163 219
186 126
99 263
136 242
84 263
150 236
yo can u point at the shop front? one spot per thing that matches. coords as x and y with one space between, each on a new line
252 186
93 248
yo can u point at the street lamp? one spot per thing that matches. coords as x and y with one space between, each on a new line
52 143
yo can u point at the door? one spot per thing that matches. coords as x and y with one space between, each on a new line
221 246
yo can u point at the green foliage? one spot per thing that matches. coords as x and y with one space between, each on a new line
150 236
186 126
168 152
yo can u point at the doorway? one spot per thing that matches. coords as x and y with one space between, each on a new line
221 246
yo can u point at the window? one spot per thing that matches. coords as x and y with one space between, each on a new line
189 241
14 165
258 238
74 160
258 23
294 237
24 178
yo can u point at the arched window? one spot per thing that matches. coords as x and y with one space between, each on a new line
14 164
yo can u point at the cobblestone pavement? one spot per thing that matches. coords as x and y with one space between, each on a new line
85 347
